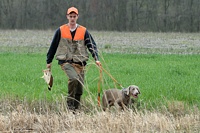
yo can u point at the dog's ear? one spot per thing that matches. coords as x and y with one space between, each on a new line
138 90
127 90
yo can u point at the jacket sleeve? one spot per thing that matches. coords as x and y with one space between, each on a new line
54 45
91 45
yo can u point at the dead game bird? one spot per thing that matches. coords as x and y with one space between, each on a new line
48 78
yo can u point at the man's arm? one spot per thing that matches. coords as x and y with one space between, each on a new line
91 45
52 50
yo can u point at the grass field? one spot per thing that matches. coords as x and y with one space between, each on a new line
160 77
164 65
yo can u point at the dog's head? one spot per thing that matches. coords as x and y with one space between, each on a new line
133 90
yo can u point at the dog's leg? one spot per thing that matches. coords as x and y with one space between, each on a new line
124 107
119 104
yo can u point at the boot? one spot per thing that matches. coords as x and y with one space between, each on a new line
77 101
70 105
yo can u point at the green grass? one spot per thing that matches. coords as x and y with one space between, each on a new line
161 78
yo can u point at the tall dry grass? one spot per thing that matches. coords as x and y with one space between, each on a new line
41 116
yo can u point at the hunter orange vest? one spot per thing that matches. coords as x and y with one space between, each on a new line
65 32
69 49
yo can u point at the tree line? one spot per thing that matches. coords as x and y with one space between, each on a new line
107 15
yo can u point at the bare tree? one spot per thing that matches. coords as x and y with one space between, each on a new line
166 7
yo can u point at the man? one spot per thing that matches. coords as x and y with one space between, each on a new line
70 44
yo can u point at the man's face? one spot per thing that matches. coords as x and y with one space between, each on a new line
72 17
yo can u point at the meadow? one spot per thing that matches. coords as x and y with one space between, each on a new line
164 65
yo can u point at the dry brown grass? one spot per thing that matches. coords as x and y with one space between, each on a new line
40 116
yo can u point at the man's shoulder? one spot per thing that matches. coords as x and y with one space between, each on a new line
81 26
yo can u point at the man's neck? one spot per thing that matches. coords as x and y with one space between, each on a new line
72 26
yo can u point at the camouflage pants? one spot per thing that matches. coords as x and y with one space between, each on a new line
75 73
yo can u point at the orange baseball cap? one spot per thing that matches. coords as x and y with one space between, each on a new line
72 9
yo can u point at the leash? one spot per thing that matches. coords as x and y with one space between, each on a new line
112 77
101 81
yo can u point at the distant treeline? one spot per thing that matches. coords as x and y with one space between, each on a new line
111 15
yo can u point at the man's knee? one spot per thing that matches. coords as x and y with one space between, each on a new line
74 80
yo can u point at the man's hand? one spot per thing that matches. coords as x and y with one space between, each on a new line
98 63
49 66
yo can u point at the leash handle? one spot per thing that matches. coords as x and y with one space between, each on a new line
99 86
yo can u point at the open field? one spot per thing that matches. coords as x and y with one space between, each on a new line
164 65
122 42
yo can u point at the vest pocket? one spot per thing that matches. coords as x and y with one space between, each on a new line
63 53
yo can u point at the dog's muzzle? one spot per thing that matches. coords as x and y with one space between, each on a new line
135 95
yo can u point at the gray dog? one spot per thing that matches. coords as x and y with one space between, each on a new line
119 98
